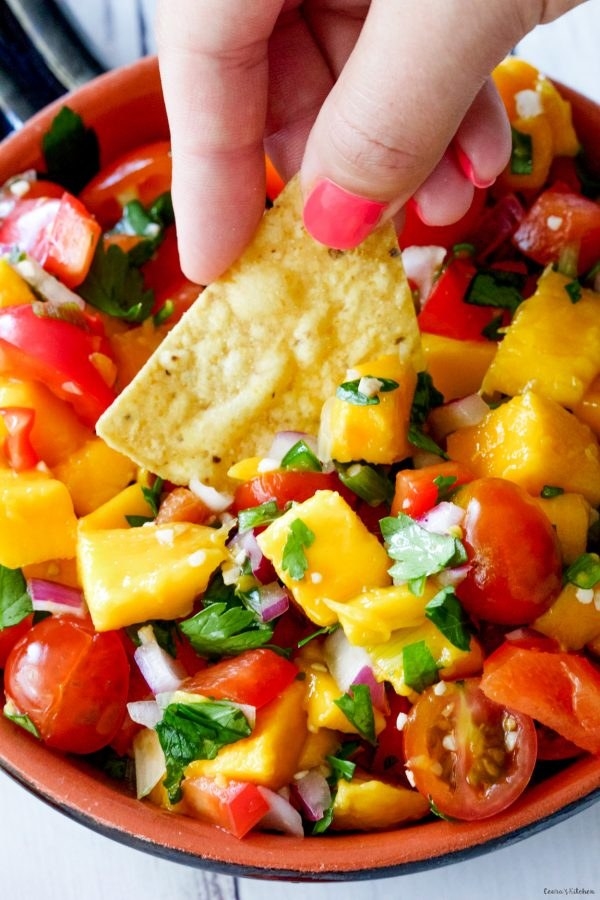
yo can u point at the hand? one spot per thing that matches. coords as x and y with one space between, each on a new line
376 102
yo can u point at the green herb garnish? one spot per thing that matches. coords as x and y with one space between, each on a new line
71 151
497 288
584 572
351 393
115 285
367 482
420 668
15 602
294 559
426 398
357 707
574 289
521 158
224 630
418 552
550 490
447 614
258 515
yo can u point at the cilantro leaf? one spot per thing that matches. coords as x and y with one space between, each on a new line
71 151
426 398
447 614
294 558
189 731
521 159
418 552
15 602
420 668
551 490
350 391
496 288
324 822
585 571
115 285
341 768
153 493
20 719
219 630
163 630
573 289
258 515
446 485
357 707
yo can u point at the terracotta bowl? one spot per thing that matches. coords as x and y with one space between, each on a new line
126 109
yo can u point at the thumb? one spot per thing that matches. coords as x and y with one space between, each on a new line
417 77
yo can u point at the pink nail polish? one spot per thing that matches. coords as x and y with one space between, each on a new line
467 167
339 219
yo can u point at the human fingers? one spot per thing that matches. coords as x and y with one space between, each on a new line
214 71
415 73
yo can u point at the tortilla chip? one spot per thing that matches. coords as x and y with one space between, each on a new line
262 348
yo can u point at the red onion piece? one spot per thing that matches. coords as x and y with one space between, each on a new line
442 517
160 671
282 816
452 577
48 596
144 712
458 414
350 664
312 794
422 265
274 601
377 688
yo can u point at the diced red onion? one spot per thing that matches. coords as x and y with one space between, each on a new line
144 712
244 546
214 500
48 596
150 766
422 265
285 440
461 413
311 792
442 517
50 288
274 600
452 577
282 816
350 664
160 671
497 225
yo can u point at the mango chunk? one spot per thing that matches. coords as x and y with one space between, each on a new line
571 516
269 756
534 442
37 521
457 367
573 619
317 746
366 804
552 345
376 433
112 514
588 410
152 572
62 571
14 290
93 474
342 559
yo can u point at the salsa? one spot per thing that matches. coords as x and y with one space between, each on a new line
394 618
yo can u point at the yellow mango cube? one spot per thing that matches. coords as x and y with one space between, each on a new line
269 756
133 347
571 516
588 410
534 442
552 346
317 746
153 572
365 804
14 290
376 433
37 521
457 367
94 474
342 558
62 571
112 514
573 619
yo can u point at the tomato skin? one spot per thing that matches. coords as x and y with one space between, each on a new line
254 677
143 174
460 754
11 635
515 562
559 219
561 690
71 681
445 312
236 806
388 759
284 485
416 492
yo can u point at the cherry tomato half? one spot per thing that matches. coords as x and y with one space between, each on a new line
71 682
515 562
10 635
469 756
284 485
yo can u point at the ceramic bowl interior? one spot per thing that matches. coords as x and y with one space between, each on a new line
126 109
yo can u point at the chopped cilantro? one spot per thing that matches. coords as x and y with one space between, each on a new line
446 485
323 824
341 768
115 285
573 289
351 393
189 731
71 151
294 558
163 630
496 288
418 552
153 493
357 707
327 629
426 398
15 602
420 668
521 158
221 629
367 482
447 614
138 521
585 571
551 490
301 458
258 515
21 719
493 331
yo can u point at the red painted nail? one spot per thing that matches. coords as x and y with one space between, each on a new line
467 168
339 219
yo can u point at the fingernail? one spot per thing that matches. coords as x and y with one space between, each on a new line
339 219
467 168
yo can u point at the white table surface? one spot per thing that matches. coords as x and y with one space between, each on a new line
46 856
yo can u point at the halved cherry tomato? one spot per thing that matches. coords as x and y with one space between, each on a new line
284 485
468 755
19 421
59 233
558 220
515 565
236 806
416 232
560 690
389 756
418 490
141 174
70 681
445 312
9 637
254 677
56 353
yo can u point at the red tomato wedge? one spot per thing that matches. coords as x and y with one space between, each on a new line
560 690
471 756
56 353
284 485
418 490
445 312
59 233
76 700
236 806
255 677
